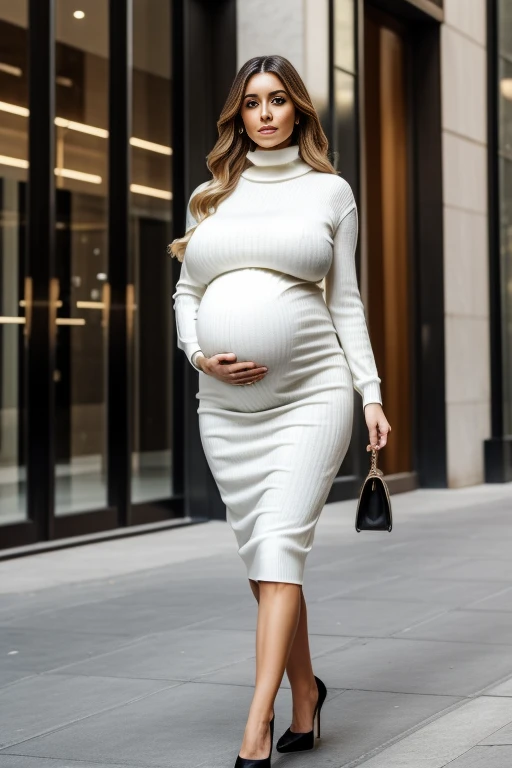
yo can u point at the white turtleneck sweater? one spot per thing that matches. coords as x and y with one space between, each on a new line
283 215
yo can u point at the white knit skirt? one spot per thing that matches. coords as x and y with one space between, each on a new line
273 447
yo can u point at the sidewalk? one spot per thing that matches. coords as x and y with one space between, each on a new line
140 652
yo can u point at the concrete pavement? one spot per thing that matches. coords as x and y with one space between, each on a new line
140 652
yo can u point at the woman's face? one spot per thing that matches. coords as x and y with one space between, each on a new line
267 111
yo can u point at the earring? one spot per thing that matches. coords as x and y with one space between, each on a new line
296 122
241 129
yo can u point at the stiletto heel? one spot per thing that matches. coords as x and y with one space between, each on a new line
248 762
300 742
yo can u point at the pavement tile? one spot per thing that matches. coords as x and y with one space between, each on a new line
173 655
243 672
454 594
173 727
343 616
11 675
499 737
468 626
503 689
14 761
45 702
414 666
447 738
125 617
478 757
485 569
500 601
45 649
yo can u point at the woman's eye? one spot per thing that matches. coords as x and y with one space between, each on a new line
280 100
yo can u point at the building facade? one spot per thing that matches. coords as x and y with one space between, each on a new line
108 113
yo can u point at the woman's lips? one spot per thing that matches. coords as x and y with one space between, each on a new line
267 130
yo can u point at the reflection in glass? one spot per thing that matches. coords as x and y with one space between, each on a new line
81 257
344 129
345 137
13 176
150 215
344 35
505 181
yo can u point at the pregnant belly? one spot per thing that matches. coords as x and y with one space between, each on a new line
259 314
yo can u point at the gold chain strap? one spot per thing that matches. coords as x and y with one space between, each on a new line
373 466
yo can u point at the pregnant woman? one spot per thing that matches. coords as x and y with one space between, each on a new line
261 236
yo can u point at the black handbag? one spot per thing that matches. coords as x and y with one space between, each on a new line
374 505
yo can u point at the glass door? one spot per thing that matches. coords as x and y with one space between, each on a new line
13 176
388 227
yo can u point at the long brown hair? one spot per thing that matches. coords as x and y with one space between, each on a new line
227 160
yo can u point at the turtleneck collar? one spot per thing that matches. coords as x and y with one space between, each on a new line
275 164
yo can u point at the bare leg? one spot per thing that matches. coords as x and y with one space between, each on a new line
299 670
278 618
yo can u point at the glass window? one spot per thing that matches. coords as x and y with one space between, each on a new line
150 221
81 134
505 181
344 126
13 177
344 35
345 137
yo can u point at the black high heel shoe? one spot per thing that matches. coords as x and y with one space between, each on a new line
300 742
248 762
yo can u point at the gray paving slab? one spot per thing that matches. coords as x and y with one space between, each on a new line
499 737
485 569
446 738
187 655
166 728
467 626
176 728
413 666
48 649
344 616
10 675
46 702
13 761
500 601
502 689
124 617
479 757
454 594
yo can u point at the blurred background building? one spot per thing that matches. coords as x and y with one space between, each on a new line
107 112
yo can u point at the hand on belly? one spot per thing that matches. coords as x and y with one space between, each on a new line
225 368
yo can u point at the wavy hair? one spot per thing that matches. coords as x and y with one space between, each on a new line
227 160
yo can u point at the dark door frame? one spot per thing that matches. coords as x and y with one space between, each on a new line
203 41
427 238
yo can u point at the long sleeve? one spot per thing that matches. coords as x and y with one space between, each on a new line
344 303
187 298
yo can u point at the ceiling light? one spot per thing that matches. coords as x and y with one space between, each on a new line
139 189
14 109
102 133
15 162
61 122
10 70
151 146
506 87
79 14
78 175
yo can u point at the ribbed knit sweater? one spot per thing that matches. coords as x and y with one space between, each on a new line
285 216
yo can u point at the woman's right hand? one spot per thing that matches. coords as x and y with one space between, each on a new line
225 368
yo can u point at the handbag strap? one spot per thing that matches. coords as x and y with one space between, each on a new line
373 464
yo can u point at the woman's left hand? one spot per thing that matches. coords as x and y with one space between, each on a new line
378 426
